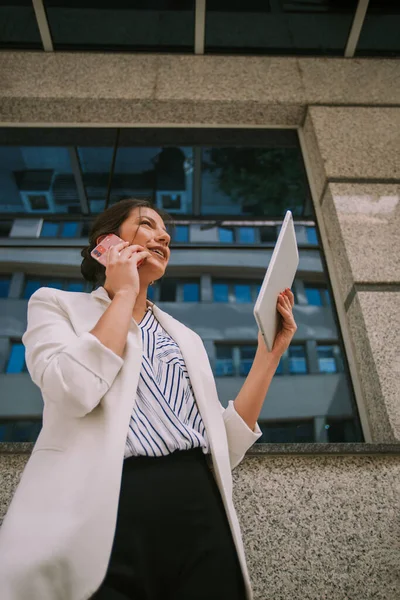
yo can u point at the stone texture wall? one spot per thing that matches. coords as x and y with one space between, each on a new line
353 156
314 527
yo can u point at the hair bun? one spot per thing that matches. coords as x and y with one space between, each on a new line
92 271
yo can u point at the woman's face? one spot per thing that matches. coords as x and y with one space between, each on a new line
145 227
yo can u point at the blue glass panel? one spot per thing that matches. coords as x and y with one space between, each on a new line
311 233
279 370
150 292
69 229
54 284
4 286
49 229
225 235
75 286
221 292
243 292
191 292
224 367
247 235
313 296
297 360
16 362
327 297
181 233
326 359
31 285
19 431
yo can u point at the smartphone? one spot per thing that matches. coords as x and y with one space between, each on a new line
99 253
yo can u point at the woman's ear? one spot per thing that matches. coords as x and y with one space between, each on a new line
100 238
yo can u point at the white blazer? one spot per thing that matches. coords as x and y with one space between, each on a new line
56 539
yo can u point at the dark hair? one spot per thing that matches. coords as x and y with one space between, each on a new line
110 221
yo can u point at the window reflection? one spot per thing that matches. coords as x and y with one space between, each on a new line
253 181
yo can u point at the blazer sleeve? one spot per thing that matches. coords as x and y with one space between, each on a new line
240 436
73 371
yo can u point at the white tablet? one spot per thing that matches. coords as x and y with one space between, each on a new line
279 276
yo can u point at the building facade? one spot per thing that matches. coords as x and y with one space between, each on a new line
226 117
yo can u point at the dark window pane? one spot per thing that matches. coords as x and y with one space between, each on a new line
18 25
279 370
19 431
268 235
220 292
224 361
168 290
294 432
296 27
16 361
122 25
341 430
54 283
246 235
181 233
243 292
225 235
253 181
247 354
86 226
70 229
380 33
326 359
5 282
297 360
37 180
311 233
191 292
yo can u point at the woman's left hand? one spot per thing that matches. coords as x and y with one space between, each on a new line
288 325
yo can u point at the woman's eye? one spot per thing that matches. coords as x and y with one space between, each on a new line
146 222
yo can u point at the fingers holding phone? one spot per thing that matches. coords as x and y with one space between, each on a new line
123 261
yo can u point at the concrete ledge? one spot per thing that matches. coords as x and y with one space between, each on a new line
266 449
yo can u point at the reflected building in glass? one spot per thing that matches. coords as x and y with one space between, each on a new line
227 197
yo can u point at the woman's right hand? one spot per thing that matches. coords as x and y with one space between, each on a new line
122 267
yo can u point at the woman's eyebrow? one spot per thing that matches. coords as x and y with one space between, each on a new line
150 219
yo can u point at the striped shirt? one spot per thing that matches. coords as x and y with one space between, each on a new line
165 416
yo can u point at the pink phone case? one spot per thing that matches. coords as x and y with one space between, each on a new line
100 252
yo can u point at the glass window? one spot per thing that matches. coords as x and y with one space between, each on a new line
243 292
121 25
220 292
5 281
246 235
326 358
311 233
16 360
37 180
253 182
224 361
150 292
226 234
49 229
247 354
75 286
380 30
342 430
191 292
181 234
18 25
297 359
268 235
31 285
279 370
313 296
19 431
168 290
70 229
286 432
287 27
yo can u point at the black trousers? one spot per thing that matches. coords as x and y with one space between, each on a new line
172 539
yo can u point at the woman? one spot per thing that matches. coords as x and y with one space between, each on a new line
128 491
